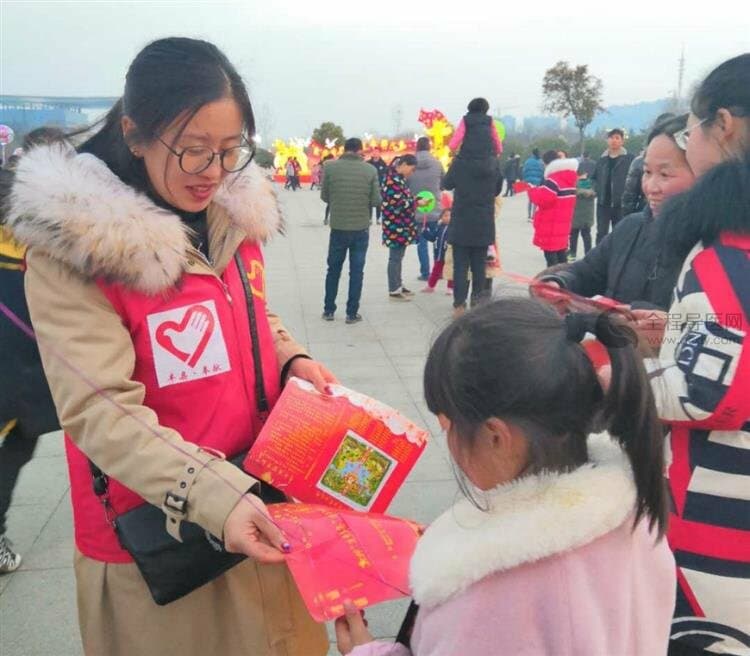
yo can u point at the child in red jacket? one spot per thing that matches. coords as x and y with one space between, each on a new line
555 201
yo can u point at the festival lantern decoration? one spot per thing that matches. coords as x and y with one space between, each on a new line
439 130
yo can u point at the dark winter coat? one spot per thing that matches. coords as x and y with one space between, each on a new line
24 394
478 140
633 199
511 170
601 178
398 212
475 182
629 266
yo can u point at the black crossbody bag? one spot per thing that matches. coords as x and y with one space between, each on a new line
172 569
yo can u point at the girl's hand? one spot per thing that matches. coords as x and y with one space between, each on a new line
351 630
313 372
249 530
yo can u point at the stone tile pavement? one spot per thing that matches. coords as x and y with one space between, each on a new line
383 356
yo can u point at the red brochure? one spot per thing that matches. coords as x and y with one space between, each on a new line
344 450
340 555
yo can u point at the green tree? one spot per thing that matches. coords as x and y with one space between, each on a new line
549 143
572 91
328 130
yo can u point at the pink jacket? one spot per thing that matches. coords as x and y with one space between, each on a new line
554 568
555 199
458 137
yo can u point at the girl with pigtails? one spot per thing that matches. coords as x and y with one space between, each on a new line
558 547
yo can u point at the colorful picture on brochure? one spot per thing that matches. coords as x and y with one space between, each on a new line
357 471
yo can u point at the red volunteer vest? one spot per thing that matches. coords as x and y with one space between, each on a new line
194 357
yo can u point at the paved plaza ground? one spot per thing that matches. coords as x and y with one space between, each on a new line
383 356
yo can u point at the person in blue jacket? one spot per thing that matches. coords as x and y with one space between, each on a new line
533 173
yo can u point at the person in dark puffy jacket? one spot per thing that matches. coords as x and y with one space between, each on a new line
476 134
609 183
378 162
511 171
476 180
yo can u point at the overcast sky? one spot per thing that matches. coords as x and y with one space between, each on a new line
356 61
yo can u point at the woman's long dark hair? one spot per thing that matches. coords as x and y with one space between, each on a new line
727 86
514 359
719 201
170 78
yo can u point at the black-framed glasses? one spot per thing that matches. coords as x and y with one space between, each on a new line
196 159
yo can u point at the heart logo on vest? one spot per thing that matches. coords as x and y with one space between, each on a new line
187 340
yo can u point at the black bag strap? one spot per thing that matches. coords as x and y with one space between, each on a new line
407 626
260 386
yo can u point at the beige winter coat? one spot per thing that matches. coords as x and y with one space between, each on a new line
80 223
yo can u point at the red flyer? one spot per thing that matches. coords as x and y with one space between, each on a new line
345 450
340 555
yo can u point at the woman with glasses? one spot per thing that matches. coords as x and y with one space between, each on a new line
146 288
630 265
701 379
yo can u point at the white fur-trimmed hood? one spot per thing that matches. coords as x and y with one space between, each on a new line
557 165
74 208
529 519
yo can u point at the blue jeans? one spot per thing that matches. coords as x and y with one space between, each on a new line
423 249
354 242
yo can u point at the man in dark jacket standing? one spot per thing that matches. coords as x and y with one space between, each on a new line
609 183
511 172
352 189
382 168
426 177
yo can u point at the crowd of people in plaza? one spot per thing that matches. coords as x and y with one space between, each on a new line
603 456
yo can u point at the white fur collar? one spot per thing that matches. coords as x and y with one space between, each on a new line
79 212
529 519
557 165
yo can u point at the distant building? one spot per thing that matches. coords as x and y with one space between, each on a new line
24 113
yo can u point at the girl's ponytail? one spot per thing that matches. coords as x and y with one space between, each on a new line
629 412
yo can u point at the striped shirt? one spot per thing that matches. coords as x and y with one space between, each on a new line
701 382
